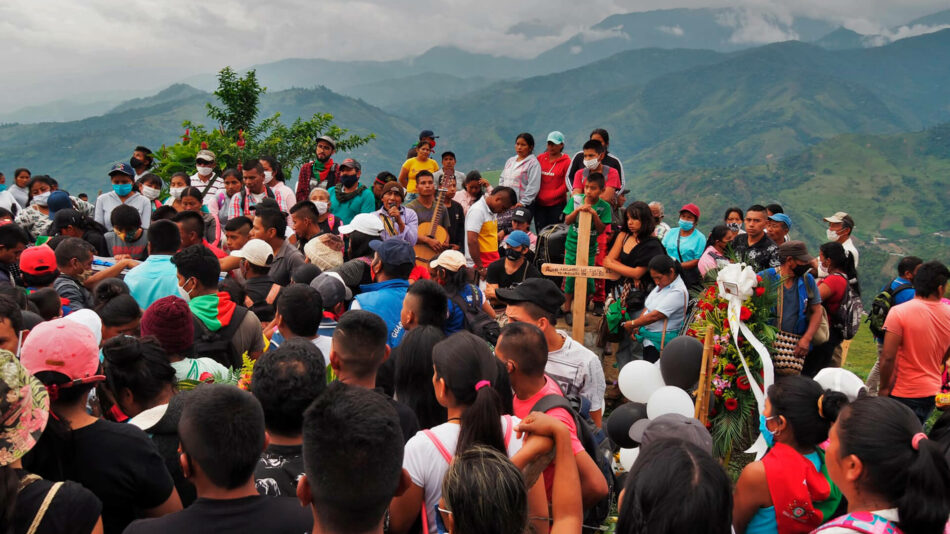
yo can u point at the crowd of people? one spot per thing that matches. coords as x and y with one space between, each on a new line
220 352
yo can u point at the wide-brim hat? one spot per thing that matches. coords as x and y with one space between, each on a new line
24 407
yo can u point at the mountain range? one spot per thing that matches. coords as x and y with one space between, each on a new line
392 84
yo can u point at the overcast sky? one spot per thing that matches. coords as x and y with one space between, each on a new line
67 48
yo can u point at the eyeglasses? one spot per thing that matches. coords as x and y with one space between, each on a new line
203 162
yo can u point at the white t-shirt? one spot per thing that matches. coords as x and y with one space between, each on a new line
578 371
670 301
323 343
427 467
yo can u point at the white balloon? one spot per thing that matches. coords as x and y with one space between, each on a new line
628 457
639 379
670 399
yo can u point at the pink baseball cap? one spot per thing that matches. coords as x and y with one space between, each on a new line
63 346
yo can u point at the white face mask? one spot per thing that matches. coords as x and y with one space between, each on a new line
176 192
150 192
832 235
321 206
591 164
204 171
268 177
183 293
41 199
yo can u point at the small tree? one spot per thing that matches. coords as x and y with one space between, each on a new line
239 136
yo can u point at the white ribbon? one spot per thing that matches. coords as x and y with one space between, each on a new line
737 283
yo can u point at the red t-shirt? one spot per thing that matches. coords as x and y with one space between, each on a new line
215 250
553 186
612 178
523 407
838 285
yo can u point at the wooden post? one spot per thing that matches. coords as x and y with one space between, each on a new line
705 379
579 307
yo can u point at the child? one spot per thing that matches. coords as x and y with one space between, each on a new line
127 238
176 186
473 187
412 166
327 222
589 202
123 193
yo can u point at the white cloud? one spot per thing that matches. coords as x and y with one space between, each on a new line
62 48
592 35
672 30
889 36
757 27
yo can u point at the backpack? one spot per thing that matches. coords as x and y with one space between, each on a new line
880 307
476 320
596 444
848 317
218 345
863 522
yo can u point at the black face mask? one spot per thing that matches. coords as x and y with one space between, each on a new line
801 270
137 163
512 254
349 180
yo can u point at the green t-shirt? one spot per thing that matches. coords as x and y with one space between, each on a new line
601 207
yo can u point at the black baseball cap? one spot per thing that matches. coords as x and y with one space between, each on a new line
521 215
672 425
66 217
427 133
538 291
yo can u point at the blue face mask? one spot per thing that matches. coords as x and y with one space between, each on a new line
122 189
766 433
3 187
685 225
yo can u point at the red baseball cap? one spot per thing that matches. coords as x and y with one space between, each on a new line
691 208
38 260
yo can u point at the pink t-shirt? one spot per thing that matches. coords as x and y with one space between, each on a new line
523 407
924 327
612 179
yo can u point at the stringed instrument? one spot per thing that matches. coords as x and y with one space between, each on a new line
433 230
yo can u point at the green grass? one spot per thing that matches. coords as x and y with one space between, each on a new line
492 177
862 354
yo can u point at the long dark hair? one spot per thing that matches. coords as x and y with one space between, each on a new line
275 167
809 409
703 495
880 431
139 365
662 263
359 245
412 381
841 260
464 362
730 211
640 211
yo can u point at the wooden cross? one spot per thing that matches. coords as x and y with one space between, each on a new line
580 272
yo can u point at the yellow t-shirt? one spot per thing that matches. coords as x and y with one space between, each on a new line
413 165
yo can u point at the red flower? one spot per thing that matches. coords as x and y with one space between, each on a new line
731 404
742 383
745 314
717 349
759 291
185 137
691 333
702 315
708 425
719 392
729 369
725 324
204 145
206 377
723 305
758 278
240 141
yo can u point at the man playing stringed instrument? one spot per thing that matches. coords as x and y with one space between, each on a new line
433 225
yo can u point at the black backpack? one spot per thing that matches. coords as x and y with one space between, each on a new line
596 444
218 345
880 307
848 317
477 321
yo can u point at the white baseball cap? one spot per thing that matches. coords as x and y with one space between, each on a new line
452 260
256 251
364 223
840 380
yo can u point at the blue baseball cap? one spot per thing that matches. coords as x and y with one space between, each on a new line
393 251
518 238
782 218
58 200
120 167
556 137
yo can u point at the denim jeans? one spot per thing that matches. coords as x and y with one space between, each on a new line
922 406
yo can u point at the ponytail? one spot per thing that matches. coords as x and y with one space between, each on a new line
900 464
468 368
809 409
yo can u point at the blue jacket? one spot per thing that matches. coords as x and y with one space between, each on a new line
385 300
801 323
